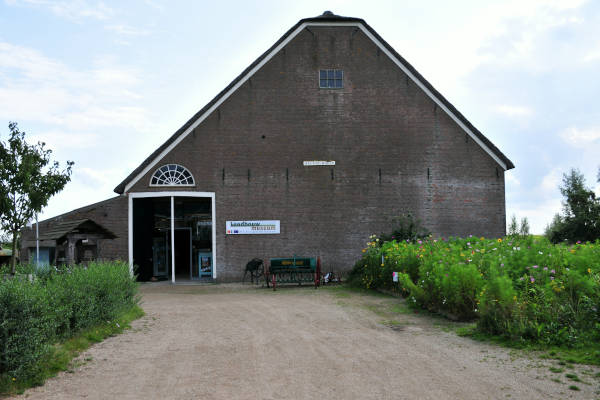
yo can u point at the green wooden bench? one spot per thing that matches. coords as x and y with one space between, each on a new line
294 270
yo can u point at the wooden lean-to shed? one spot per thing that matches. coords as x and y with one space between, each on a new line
74 242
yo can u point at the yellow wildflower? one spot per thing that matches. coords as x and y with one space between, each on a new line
589 270
364 250
382 264
499 240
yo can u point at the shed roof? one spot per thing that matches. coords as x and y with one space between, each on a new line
324 18
61 229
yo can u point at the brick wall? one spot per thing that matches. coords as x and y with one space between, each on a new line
395 151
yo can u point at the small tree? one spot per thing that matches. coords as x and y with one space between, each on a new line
27 179
553 229
516 229
513 227
524 229
581 211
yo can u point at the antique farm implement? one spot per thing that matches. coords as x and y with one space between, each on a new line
294 270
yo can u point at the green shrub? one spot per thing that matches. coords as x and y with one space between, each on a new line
35 314
26 325
406 227
519 287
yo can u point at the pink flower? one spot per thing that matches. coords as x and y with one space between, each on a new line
535 266
545 268
532 279
552 271
551 278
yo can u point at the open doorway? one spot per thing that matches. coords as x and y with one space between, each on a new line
173 237
183 254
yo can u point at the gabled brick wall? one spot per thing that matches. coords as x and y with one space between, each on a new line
395 151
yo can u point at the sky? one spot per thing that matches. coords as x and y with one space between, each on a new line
105 83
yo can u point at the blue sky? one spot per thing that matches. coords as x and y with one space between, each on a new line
105 83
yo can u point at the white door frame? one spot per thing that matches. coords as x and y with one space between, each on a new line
172 195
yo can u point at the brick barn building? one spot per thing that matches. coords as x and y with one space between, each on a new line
316 145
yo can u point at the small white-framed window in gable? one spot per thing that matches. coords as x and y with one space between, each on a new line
331 78
172 175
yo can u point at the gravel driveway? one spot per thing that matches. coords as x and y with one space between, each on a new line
238 342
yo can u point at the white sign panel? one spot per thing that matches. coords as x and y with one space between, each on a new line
395 276
317 162
252 227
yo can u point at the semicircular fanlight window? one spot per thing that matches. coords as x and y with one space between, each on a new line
172 175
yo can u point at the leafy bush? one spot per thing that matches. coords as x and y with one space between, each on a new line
519 287
36 313
26 323
406 227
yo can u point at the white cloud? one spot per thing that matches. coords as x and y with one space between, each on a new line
66 139
581 137
35 87
500 33
511 178
551 181
127 30
74 10
513 111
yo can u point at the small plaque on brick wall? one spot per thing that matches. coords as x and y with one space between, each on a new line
318 162
252 227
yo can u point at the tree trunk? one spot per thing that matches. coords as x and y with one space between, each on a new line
13 257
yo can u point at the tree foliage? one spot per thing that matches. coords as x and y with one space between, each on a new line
516 229
405 227
580 219
28 178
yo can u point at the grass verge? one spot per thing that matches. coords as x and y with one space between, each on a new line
587 353
61 354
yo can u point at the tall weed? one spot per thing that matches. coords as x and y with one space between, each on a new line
519 287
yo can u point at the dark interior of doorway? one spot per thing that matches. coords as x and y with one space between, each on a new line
182 254
152 238
150 217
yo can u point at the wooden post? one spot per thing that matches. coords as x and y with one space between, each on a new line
70 252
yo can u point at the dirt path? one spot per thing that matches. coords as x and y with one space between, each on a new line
234 342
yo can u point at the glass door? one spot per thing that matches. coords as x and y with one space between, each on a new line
159 255
195 214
